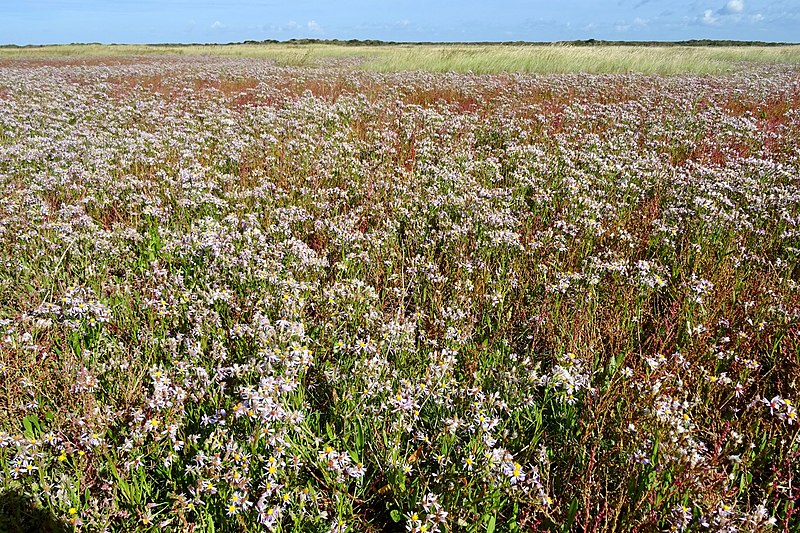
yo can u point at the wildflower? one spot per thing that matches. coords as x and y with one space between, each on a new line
790 414
94 439
774 404
269 516
469 462
429 502
413 523
17 470
516 474
641 458
356 471
451 425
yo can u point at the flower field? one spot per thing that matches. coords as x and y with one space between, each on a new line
236 296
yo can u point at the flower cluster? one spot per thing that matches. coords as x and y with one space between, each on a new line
241 296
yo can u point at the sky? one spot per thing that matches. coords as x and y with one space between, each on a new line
220 21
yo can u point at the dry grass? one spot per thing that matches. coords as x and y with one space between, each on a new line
443 58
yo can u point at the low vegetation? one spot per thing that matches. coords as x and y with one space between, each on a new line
464 58
236 296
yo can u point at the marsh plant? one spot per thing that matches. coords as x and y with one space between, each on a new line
242 297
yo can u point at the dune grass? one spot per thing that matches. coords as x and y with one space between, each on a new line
564 59
483 59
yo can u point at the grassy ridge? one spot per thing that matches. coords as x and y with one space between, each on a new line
484 59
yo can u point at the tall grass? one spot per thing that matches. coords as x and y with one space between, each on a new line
483 59
564 59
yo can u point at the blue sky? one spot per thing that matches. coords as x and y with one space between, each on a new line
156 21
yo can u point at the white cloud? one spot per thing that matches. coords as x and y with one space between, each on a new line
710 18
623 26
734 6
729 13
217 25
314 26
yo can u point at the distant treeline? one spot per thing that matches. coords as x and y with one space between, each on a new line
585 42
375 42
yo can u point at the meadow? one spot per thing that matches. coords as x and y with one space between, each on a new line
257 294
556 58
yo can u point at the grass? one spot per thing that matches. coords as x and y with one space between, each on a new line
565 59
480 59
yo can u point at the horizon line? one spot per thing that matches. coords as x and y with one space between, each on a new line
380 42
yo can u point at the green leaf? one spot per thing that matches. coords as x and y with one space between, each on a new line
491 524
654 455
396 515
359 436
573 509
30 423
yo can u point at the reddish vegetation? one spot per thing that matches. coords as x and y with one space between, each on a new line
253 296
